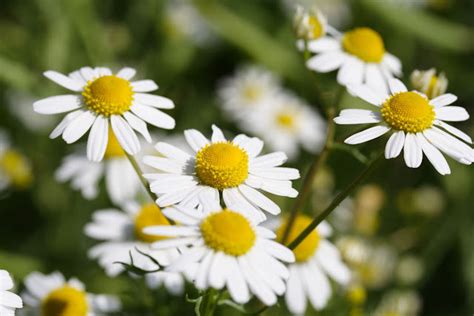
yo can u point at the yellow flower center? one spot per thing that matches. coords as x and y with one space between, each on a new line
308 246
113 150
431 89
408 111
16 168
364 43
149 215
285 120
222 165
108 95
229 232
315 28
252 93
65 301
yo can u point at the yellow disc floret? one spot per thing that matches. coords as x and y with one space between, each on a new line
65 301
222 165
408 111
229 232
149 215
252 93
308 246
108 95
113 149
315 28
364 43
17 169
285 120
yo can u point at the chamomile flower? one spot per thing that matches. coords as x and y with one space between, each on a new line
429 82
338 12
105 100
288 123
121 180
251 88
417 125
360 56
227 248
15 168
8 301
316 259
233 168
52 295
121 233
309 25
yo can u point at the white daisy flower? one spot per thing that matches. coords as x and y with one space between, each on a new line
121 233
8 301
15 168
231 167
316 259
105 99
416 122
338 12
52 295
309 25
248 90
121 180
227 248
429 83
360 56
287 123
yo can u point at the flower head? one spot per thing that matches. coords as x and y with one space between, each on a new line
309 25
105 100
226 248
15 168
416 122
52 295
9 301
219 165
429 83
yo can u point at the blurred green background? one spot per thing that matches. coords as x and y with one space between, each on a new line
187 55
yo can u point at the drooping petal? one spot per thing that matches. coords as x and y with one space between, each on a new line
98 138
412 151
395 145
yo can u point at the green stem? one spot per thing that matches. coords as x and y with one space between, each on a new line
139 172
310 175
209 302
337 200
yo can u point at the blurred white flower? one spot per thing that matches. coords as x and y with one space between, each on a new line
103 101
19 105
316 260
429 83
52 295
286 123
227 248
338 12
120 233
309 24
8 301
400 303
416 123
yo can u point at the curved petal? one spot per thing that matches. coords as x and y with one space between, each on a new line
63 80
395 145
125 135
412 151
78 126
368 134
98 138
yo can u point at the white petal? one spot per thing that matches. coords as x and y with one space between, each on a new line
155 101
396 86
171 231
125 135
351 72
218 269
103 71
412 151
456 132
335 268
255 282
393 63
395 145
295 297
144 86
153 116
434 156
326 62
323 44
173 243
58 130
88 73
355 116
269 160
57 104
450 145
163 164
9 299
98 138
78 127
451 113
195 139
172 152
368 134
277 250
138 125
185 218
259 199
317 285
443 100
375 79
63 80
126 73
367 94
236 284
217 135
201 281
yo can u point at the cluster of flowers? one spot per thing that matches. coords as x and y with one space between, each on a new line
206 222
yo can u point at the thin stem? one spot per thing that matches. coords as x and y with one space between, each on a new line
139 172
337 200
209 302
